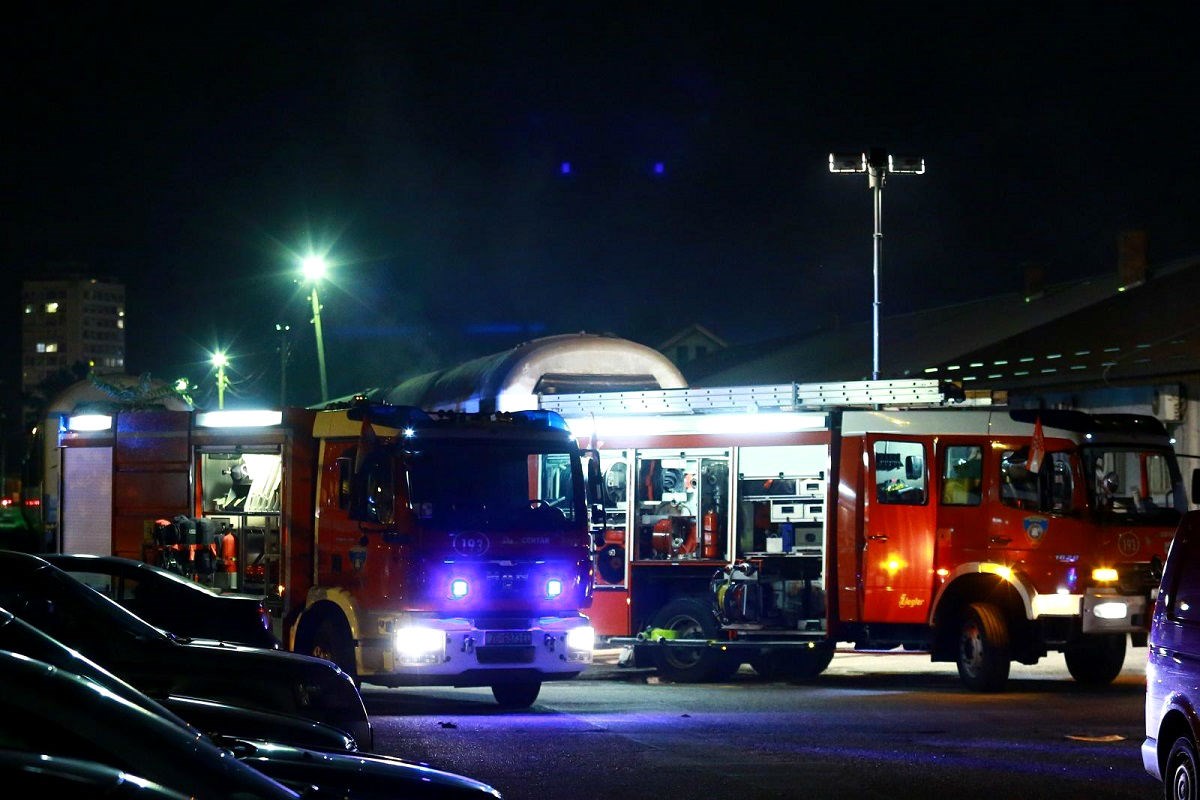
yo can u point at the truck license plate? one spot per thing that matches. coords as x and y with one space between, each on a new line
508 638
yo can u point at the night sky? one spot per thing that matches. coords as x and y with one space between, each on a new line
196 151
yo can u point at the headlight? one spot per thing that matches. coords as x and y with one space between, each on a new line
420 645
581 638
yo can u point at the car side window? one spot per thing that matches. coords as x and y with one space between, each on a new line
1184 603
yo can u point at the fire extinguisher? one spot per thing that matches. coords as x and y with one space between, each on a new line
709 526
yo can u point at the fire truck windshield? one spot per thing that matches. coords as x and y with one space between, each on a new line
497 485
1137 483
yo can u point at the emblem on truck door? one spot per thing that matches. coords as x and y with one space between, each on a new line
1035 527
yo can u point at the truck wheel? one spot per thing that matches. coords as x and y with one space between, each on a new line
689 618
1097 660
516 695
1179 775
983 654
331 641
797 665
811 662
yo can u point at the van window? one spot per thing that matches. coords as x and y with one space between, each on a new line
1185 600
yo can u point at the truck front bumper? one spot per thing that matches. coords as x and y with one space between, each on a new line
418 650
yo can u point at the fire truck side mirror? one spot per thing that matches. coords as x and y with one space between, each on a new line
914 469
595 488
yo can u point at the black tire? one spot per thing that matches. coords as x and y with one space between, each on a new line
810 662
689 618
769 665
1179 775
797 665
1096 660
520 694
983 648
331 640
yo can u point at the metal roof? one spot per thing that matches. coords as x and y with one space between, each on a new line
1079 333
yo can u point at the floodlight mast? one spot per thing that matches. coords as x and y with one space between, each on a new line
877 164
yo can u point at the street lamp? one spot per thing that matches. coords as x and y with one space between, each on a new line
877 164
314 269
283 329
220 361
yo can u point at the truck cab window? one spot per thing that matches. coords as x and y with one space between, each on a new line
900 472
379 489
962 475
1050 490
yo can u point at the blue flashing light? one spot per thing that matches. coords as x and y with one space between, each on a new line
554 588
659 168
459 588
565 168
550 419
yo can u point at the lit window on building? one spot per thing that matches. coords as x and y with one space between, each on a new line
52 307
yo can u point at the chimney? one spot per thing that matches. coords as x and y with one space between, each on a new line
1035 281
1131 259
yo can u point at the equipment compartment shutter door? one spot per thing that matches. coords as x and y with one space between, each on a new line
87 511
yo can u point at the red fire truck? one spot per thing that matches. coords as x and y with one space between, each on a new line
769 524
409 547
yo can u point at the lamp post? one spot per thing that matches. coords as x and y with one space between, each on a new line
877 164
314 269
283 329
220 361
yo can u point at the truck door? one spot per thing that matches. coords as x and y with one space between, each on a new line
898 531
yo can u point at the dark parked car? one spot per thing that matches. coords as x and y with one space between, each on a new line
47 710
361 776
160 664
25 774
1169 751
18 636
172 602
328 772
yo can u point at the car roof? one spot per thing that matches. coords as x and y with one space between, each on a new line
119 565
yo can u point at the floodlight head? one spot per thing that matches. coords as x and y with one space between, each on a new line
847 162
911 165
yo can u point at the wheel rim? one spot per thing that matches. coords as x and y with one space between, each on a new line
1181 782
970 648
685 628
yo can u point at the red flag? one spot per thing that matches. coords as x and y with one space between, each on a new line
1037 448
